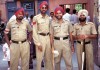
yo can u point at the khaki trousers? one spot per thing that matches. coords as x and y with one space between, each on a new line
63 47
89 56
18 51
46 53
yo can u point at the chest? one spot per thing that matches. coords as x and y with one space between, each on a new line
43 21
83 29
62 27
18 27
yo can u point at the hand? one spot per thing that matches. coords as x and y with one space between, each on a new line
82 37
86 36
40 48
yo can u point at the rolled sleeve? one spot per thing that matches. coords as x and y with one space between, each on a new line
74 30
7 29
93 29
70 28
29 27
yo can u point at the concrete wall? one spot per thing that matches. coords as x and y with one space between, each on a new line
54 3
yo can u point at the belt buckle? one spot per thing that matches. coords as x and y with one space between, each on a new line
61 38
19 42
81 43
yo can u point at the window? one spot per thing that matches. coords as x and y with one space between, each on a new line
27 6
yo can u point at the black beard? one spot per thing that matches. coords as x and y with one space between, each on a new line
58 17
82 20
20 18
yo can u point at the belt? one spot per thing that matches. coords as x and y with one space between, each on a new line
44 34
60 38
85 42
17 42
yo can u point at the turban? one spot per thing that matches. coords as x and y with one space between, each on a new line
83 12
19 11
43 3
58 9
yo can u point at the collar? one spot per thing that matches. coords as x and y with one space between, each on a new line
85 23
58 22
44 16
20 22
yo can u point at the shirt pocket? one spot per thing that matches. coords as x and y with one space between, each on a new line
14 29
78 31
57 29
88 30
65 29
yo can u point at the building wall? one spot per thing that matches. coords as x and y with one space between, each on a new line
54 3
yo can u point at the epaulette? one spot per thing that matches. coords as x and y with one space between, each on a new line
11 21
90 22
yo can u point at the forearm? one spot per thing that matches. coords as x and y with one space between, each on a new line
71 39
51 40
92 36
30 36
7 39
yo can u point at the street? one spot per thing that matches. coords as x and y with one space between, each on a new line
4 66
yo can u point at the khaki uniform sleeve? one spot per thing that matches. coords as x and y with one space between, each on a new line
51 29
74 30
7 29
29 27
35 32
70 29
93 29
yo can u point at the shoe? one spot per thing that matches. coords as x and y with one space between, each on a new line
19 67
42 64
8 69
31 66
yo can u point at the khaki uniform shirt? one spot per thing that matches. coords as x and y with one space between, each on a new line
87 29
40 25
60 30
18 30
99 29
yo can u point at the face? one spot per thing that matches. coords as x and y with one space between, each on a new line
82 18
51 14
20 16
43 9
59 15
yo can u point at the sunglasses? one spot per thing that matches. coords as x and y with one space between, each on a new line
44 7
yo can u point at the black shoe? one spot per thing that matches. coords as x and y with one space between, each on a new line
31 66
42 64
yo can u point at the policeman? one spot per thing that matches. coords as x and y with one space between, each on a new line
84 32
41 37
20 46
61 38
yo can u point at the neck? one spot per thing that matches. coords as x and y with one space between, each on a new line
19 21
83 23
43 15
60 21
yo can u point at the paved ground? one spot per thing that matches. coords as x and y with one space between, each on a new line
3 64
